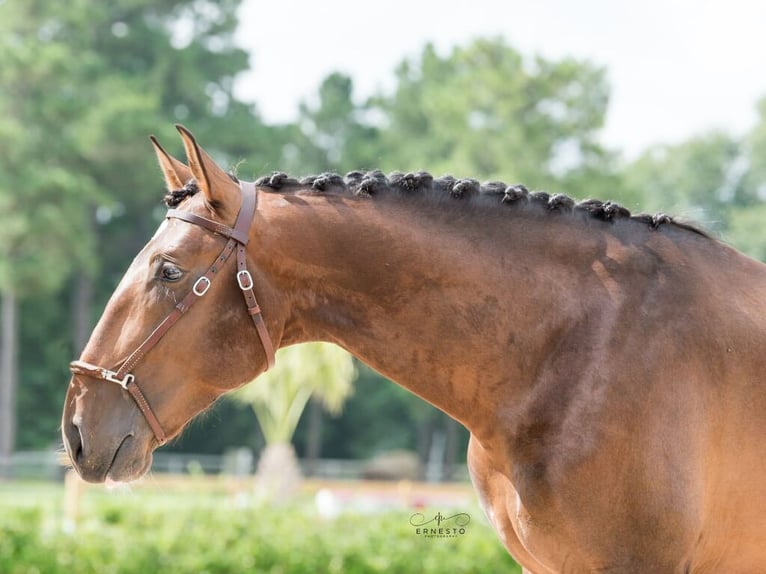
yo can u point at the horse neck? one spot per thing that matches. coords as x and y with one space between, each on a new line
449 309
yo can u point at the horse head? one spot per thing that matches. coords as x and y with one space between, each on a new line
165 376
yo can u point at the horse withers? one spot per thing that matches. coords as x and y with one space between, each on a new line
609 367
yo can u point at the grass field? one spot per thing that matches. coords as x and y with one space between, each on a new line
208 527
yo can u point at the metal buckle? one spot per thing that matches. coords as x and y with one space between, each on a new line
111 376
200 291
249 278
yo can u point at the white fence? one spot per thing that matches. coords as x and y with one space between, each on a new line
32 464
50 465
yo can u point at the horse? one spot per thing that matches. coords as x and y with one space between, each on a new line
609 367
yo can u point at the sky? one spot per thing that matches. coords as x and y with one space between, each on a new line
677 68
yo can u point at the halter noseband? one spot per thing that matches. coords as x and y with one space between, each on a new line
237 239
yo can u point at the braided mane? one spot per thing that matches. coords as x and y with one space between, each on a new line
374 183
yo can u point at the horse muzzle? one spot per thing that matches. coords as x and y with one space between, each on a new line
105 445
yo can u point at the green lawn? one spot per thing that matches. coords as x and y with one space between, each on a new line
183 531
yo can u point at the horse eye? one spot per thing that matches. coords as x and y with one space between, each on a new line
170 273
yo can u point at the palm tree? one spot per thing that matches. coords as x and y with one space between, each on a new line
278 398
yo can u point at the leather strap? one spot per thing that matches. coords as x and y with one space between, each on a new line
201 285
238 237
246 212
244 278
128 383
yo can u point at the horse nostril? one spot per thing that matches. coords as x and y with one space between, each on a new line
78 452
74 441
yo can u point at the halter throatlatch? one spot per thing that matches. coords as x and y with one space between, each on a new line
238 237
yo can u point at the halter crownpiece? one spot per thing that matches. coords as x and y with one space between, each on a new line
238 237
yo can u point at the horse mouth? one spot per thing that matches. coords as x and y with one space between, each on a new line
126 463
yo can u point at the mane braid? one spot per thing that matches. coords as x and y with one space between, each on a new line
375 183
174 197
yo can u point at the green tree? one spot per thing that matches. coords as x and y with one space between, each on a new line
485 111
279 397
746 230
701 178
714 178
336 134
43 231
755 150
746 227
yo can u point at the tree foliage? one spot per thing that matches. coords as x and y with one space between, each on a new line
43 229
279 396
714 178
746 222
700 178
486 111
335 133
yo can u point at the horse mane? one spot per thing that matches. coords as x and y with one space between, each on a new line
375 183
174 197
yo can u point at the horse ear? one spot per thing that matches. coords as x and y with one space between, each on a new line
176 173
214 183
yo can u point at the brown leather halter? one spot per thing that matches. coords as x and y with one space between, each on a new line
237 239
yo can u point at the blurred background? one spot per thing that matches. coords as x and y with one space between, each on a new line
659 105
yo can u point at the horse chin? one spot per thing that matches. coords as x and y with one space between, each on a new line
131 461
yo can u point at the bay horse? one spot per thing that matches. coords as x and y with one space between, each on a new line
610 368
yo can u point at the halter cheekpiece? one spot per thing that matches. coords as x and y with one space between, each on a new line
238 237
